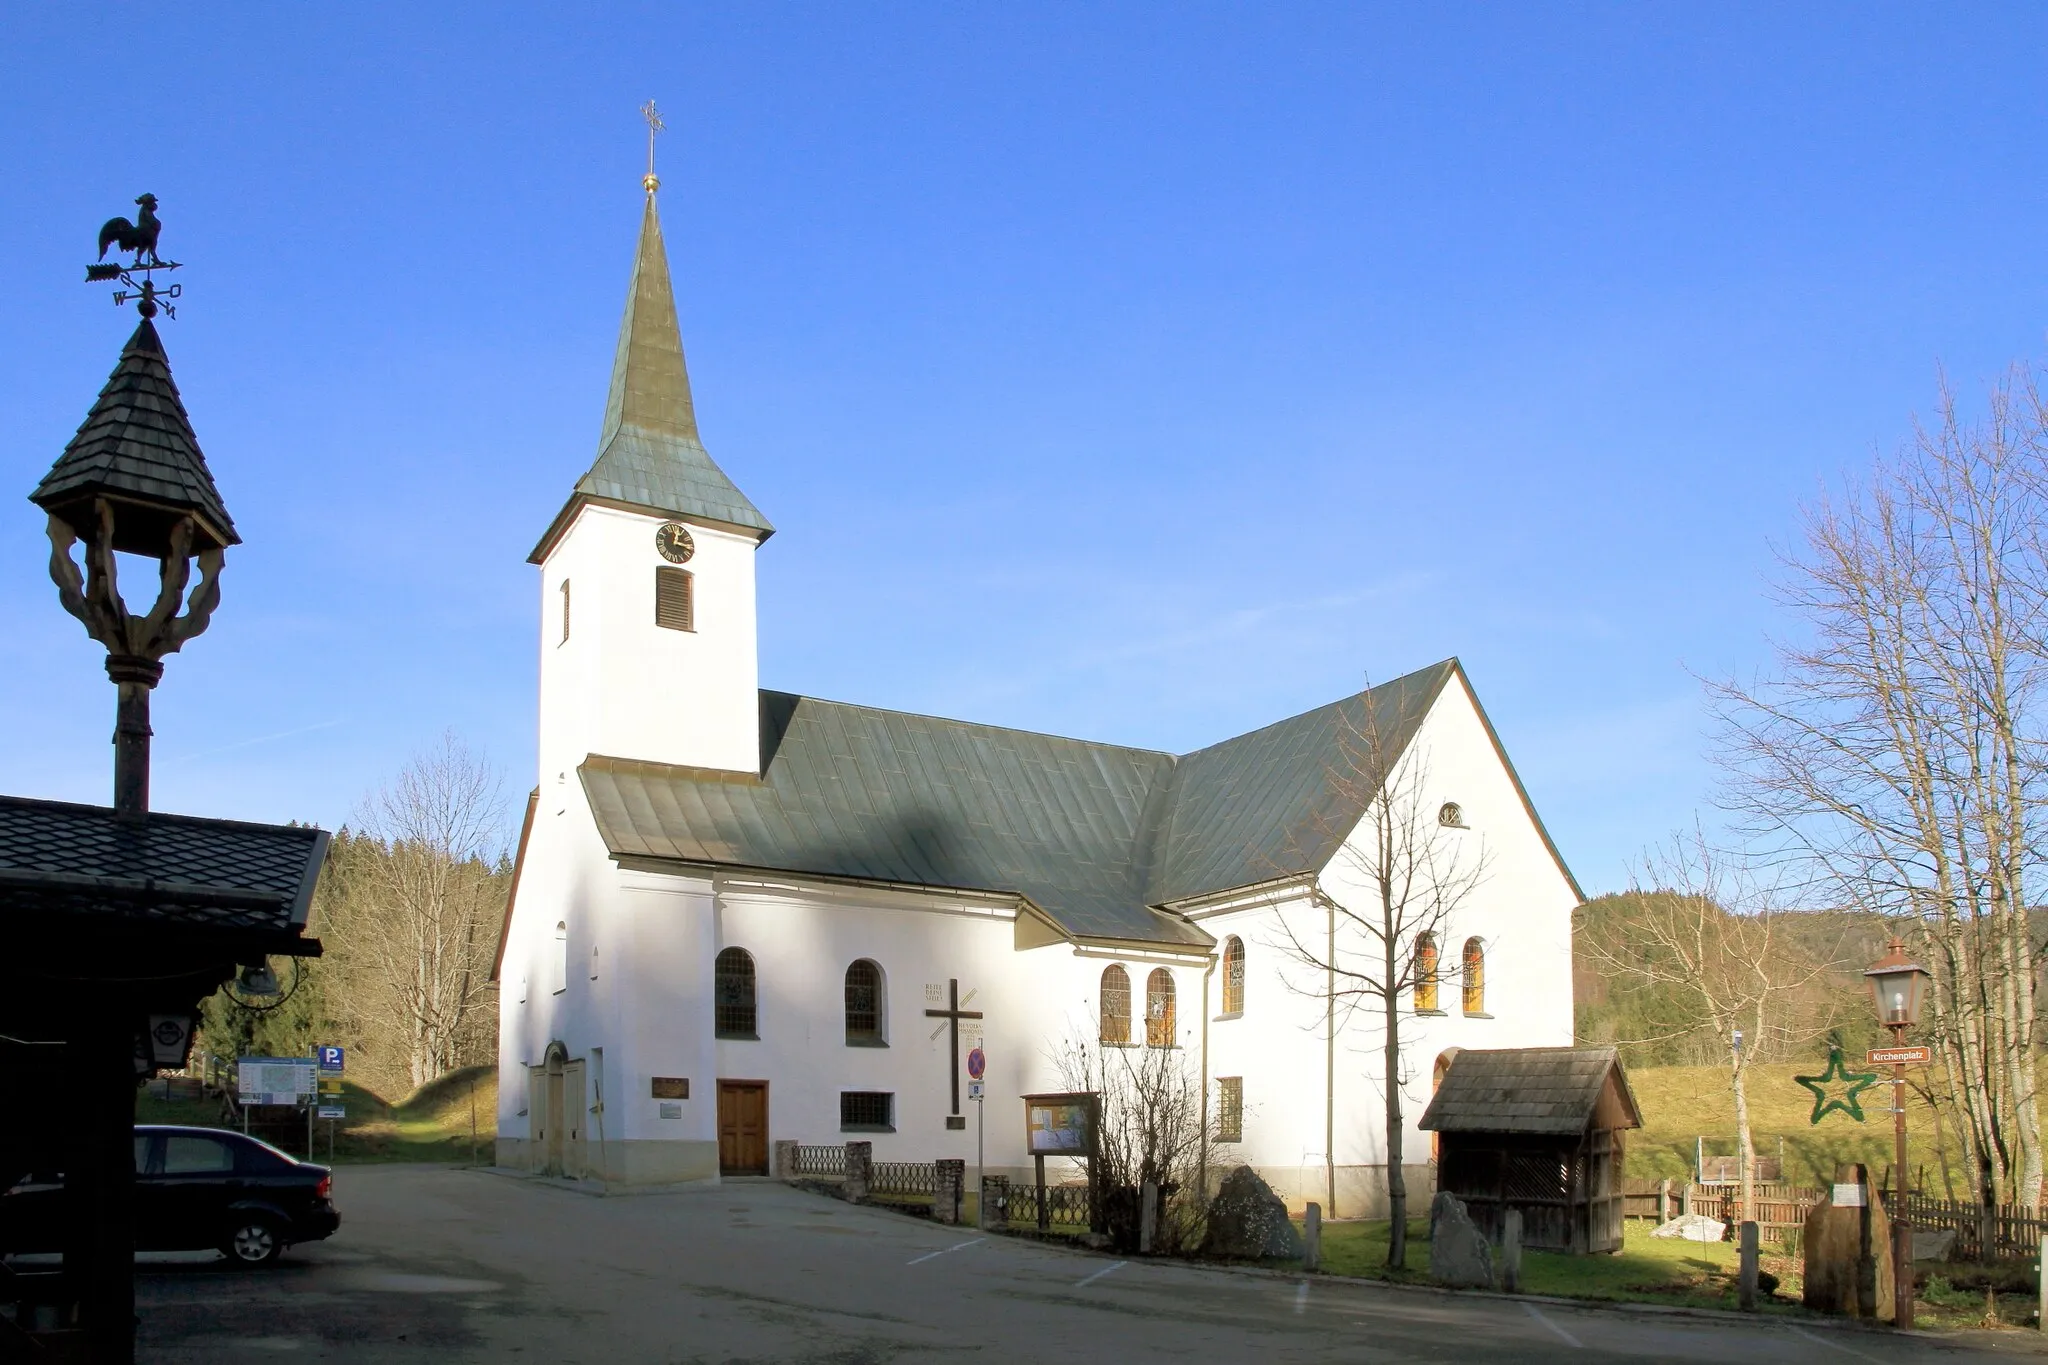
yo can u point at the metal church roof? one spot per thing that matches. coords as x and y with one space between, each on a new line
137 440
1099 837
650 456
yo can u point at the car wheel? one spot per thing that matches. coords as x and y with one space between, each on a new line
253 1239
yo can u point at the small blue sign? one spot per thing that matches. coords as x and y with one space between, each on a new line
330 1061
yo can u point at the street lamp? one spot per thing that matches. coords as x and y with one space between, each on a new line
1897 985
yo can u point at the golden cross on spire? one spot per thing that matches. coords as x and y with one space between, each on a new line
654 125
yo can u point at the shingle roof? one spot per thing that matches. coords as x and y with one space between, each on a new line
137 440
1526 1090
650 455
1095 835
57 858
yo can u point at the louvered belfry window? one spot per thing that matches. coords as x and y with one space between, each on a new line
675 599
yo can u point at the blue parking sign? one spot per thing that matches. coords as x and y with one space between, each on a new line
330 1060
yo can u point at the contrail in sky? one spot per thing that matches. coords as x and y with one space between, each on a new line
260 739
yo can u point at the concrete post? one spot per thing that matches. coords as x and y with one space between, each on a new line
2042 1312
949 1190
785 1159
1664 1200
1746 1285
1511 1251
860 1161
1148 1216
1312 1238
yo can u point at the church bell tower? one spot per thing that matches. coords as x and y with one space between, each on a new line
647 647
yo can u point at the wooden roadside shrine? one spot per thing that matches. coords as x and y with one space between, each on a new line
1541 1130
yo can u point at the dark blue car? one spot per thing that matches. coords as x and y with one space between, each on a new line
195 1188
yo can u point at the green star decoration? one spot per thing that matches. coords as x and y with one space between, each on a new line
1850 1102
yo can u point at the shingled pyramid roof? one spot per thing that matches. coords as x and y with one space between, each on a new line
137 442
650 456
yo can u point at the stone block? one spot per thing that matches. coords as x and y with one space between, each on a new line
860 1171
1248 1222
785 1159
1459 1254
1848 1250
949 1189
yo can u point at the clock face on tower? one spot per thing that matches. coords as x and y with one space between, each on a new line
672 538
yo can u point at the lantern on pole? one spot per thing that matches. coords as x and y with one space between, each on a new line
1897 986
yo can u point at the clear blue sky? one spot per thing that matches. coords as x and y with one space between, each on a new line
1142 373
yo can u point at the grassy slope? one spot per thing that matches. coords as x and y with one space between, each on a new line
432 1124
1680 1102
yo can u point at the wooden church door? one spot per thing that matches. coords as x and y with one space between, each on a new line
743 1127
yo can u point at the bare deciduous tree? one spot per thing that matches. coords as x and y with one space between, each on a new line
1896 754
1705 928
410 932
1388 899
1149 1129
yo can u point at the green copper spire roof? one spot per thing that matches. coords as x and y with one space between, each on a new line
649 454
137 444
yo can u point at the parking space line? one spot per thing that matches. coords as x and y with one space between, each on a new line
958 1246
1301 1298
1566 1337
1831 1345
1100 1273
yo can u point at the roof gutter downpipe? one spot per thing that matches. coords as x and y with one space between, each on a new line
1202 1152
1330 1060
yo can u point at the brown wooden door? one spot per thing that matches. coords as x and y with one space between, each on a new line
743 1127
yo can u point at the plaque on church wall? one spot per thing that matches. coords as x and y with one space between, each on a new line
671 1088
671 1111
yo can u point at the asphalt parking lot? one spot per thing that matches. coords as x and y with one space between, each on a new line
451 1265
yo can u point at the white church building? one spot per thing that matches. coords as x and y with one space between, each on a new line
736 910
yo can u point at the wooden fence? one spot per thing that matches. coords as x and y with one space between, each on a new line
2014 1232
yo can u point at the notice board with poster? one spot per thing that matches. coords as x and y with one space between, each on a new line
1063 1125
1059 1125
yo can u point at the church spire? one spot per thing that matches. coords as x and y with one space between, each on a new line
649 455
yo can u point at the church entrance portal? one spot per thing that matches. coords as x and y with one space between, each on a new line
743 1127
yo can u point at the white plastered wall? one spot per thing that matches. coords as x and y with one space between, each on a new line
1520 911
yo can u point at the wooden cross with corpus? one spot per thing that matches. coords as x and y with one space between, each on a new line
953 1014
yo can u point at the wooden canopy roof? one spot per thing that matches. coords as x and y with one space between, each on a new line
1538 1090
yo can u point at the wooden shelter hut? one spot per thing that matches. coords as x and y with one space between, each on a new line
1538 1129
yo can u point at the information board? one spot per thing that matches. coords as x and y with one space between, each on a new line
1057 1125
276 1080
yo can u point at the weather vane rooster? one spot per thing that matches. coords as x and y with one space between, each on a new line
139 237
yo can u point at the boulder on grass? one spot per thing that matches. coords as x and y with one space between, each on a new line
1693 1227
1248 1222
1459 1254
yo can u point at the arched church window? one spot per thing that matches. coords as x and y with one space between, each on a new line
1159 1018
1451 814
561 962
1426 974
733 995
565 610
1116 1006
675 599
1475 976
864 1005
1233 975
